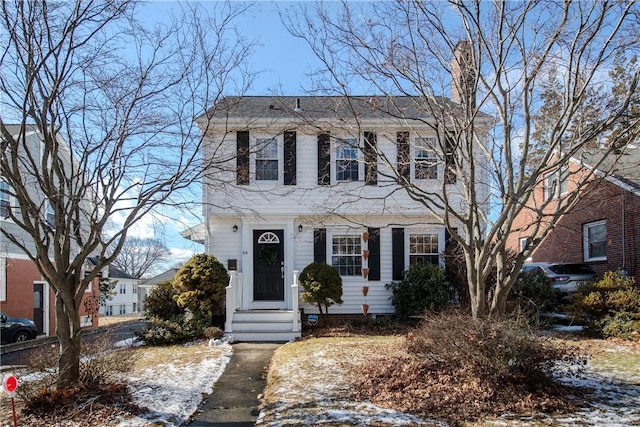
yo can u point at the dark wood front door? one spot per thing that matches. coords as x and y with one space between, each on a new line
268 265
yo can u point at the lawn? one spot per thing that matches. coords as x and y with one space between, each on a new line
315 381
312 382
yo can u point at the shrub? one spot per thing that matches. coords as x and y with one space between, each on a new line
101 370
610 306
161 303
322 286
164 332
533 294
422 289
201 283
458 370
496 354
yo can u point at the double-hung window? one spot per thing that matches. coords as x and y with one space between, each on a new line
123 288
347 168
5 199
564 180
556 183
595 241
50 215
423 249
267 159
550 185
426 166
346 255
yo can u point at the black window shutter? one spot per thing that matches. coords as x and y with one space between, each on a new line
242 157
320 245
324 159
290 158
370 159
450 159
404 156
397 252
374 253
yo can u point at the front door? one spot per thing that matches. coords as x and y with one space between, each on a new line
268 265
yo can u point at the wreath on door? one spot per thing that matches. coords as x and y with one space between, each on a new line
268 255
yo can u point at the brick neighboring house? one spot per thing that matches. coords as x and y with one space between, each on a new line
603 229
23 290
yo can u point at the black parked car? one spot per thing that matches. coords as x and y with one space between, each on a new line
15 329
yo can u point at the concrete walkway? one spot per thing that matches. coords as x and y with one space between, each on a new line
234 401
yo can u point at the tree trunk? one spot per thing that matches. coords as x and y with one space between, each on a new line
69 334
476 289
499 301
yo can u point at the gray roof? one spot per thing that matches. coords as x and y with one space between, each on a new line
624 164
14 129
114 272
316 107
162 277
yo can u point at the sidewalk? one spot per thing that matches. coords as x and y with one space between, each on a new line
234 401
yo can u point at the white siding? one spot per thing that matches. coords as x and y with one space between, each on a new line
273 198
122 303
337 207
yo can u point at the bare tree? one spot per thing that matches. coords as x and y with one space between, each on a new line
139 256
496 61
112 99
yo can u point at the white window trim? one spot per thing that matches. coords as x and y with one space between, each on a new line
329 247
3 279
585 240
259 141
563 178
557 176
49 214
10 199
428 143
523 243
407 245
550 191
336 142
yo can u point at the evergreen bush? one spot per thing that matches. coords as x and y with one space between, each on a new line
160 303
322 286
422 289
533 294
610 306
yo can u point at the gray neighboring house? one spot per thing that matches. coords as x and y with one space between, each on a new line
146 286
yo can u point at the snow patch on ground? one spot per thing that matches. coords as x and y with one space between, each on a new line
173 393
310 393
308 397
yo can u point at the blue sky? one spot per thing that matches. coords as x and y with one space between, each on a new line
283 63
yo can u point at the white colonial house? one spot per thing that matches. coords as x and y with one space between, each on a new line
293 180
125 299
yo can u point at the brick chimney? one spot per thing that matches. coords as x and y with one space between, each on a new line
462 74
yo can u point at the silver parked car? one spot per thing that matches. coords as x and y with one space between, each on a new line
564 276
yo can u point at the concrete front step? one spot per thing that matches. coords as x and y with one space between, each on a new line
263 336
264 326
